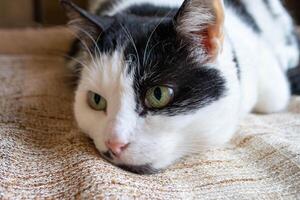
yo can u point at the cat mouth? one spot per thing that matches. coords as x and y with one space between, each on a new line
108 155
146 169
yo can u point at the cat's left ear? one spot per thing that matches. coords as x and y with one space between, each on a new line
87 26
203 22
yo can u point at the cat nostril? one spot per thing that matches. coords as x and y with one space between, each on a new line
116 147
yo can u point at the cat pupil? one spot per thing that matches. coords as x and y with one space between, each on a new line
97 98
157 93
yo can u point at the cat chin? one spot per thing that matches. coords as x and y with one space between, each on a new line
147 168
140 169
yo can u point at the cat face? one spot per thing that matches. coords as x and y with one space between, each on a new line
149 94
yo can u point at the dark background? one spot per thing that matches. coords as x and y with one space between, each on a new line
24 13
294 7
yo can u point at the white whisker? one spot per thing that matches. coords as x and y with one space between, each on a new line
151 35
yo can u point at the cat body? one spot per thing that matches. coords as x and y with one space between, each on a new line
214 61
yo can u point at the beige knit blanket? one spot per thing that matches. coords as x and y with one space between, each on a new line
43 155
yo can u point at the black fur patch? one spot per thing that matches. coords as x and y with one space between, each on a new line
148 10
237 64
235 59
244 13
294 74
294 79
130 24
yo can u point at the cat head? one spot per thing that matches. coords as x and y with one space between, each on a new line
150 90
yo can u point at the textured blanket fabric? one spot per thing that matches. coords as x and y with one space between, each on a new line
43 155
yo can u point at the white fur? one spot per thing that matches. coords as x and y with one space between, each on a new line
127 3
275 30
161 140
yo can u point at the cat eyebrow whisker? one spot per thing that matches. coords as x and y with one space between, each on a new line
96 43
75 60
91 37
152 33
129 36
149 52
87 49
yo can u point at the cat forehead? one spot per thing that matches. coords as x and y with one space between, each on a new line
128 29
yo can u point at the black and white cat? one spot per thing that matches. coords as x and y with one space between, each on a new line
160 79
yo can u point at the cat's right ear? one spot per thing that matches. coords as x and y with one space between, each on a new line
87 26
203 22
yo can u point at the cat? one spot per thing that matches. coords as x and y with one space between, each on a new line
162 79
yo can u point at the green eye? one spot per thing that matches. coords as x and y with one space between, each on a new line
96 101
159 97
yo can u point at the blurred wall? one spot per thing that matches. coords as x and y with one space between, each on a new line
22 13
16 13
294 7
49 12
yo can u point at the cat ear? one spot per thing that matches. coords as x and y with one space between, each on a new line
86 25
203 21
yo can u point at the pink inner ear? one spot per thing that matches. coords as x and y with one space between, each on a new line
208 29
212 40
208 42
213 36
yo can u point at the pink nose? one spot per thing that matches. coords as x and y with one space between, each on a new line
116 147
